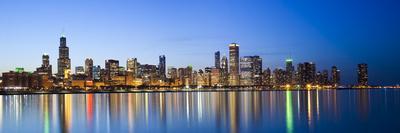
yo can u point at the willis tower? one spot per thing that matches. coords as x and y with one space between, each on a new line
64 62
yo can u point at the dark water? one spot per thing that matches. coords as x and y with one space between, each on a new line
253 111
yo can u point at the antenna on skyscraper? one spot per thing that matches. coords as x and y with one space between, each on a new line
63 32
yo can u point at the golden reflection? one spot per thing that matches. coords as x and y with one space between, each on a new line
309 111
233 112
317 91
68 112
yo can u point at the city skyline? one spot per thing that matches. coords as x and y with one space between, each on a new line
122 42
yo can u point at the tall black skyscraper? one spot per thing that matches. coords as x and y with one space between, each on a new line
306 73
217 59
335 76
64 62
362 74
289 71
162 67
89 68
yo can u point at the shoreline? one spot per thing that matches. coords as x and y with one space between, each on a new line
164 91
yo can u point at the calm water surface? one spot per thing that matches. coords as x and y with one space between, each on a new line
253 111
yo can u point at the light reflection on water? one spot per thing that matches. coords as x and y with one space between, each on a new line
245 111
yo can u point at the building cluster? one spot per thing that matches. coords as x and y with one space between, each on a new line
232 71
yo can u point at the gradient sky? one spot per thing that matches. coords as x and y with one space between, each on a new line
342 33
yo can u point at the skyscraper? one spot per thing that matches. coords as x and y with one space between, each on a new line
335 76
162 67
64 62
79 70
132 66
46 68
234 64
310 72
224 70
362 75
89 68
306 73
250 70
112 68
96 73
217 59
267 81
289 71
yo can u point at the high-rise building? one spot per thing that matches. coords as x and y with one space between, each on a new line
148 73
112 68
362 75
79 70
250 70
279 77
306 73
172 73
310 71
257 63
64 62
300 74
234 64
215 77
89 68
267 77
217 57
224 71
335 76
96 73
162 67
325 77
321 78
46 68
289 71
132 66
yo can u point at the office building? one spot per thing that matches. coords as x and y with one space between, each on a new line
289 71
224 71
362 75
217 59
335 76
64 62
234 64
112 68
46 68
250 70
89 68
162 67
79 70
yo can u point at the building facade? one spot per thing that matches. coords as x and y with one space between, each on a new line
162 68
89 68
362 75
234 64
64 62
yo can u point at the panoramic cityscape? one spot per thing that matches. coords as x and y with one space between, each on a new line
232 72
199 66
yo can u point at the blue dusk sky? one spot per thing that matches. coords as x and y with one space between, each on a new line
327 32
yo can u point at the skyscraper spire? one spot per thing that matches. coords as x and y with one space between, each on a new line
63 32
